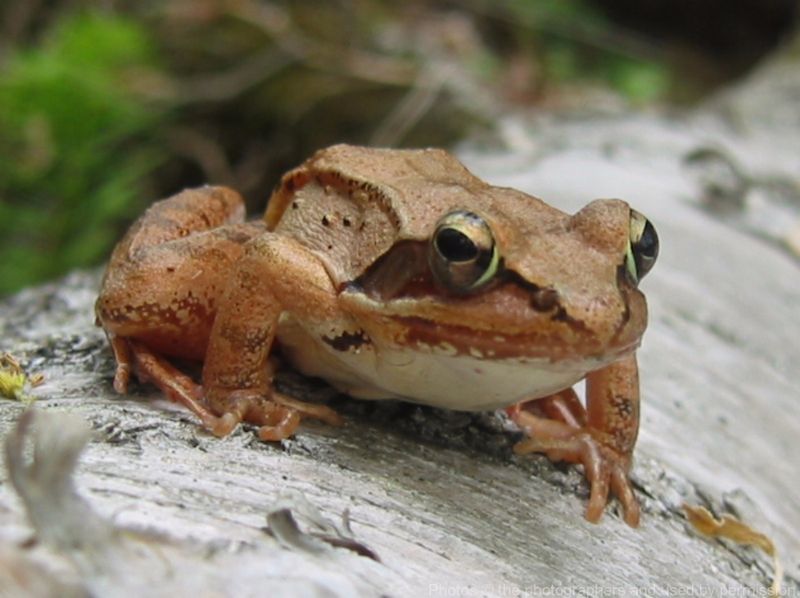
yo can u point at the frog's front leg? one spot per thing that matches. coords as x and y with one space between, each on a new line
601 437
276 275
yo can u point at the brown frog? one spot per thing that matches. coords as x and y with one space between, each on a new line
393 274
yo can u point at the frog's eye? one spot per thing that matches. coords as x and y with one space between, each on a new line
462 255
642 247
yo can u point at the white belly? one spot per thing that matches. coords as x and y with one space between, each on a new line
432 376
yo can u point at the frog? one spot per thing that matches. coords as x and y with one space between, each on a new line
393 274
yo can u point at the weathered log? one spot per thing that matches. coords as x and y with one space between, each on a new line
438 496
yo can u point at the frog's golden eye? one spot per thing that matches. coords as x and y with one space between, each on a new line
462 255
642 247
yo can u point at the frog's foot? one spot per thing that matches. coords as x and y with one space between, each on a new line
176 385
277 417
575 442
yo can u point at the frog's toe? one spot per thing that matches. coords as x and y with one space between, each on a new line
599 477
607 473
277 416
280 416
605 469
285 425
223 425
313 410
623 490
124 360
284 414
122 377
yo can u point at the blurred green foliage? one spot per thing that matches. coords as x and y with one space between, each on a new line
578 43
102 111
74 141
636 79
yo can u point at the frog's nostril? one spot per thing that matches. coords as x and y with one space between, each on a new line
544 299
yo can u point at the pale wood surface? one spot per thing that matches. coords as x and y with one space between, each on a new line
438 496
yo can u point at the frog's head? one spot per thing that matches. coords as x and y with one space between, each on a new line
428 255
501 274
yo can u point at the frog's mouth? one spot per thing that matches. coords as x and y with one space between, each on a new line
482 344
398 300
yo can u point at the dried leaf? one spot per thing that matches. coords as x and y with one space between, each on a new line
284 527
731 528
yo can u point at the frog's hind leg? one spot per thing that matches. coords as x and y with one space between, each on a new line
277 418
551 422
162 283
176 385
564 406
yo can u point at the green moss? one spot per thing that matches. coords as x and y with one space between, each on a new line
639 81
69 117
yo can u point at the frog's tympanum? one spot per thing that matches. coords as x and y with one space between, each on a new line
393 274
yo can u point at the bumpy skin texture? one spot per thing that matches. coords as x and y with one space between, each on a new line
338 275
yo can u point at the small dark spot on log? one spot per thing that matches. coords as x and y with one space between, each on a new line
326 221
